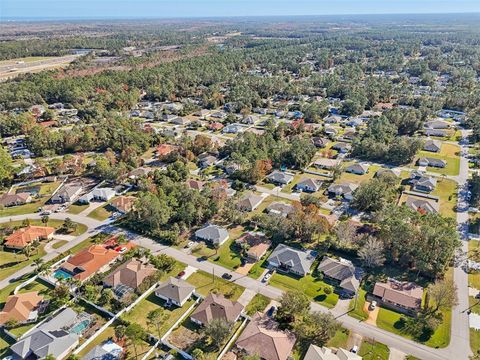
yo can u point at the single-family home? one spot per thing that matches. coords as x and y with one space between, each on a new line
195 184
433 162
21 198
206 161
21 308
308 185
233 129
25 236
315 352
130 274
163 150
168 117
330 131
219 115
422 204
249 202
98 194
349 135
280 177
176 291
437 124
139 172
435 132
213 234
67 193
325 163
400 295
342 272
344 190
432 145
55 337
262 337
249 120
216 307
279 208
257 245
424 184
357 168
342 147
320 142
180 121
106 351
288 259
202 113
388 172
123 204
215 126
96 258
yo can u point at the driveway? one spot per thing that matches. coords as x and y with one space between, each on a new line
372 314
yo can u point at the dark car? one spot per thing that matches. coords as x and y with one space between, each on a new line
227 276
271 312
180 274
202 258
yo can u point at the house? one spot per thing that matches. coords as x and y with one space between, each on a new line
195 184
216 307
257 244
7 200
169 117
123 204
308 185
432 145
21 308
344 190
401 295
55 337
25 236
263 338
288 259
324 163
332 119
213 234
87 262
424 184
249 120
357 168
202 113
323 353
349 135
342 272
139 172
388 172
163 150
422 205
106 351
280 177
320 142
176 291
98 194
130 274
180 121
437 124
249 202
279 208
342 147
219 115
206 161
233 129
330 131
215 126
436 132
67 193
433 162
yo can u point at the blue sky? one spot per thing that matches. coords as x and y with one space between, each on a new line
213 8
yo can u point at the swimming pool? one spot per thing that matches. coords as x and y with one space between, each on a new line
61 274
80 327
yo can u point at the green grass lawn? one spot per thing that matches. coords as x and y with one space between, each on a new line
453 161
340 339
446 190
372 350
76 208
258 303
358 305
357 179
205 283
5 343
102 213
59 244
228 254
309 285
11 262
473 278
57 224
256 271
475 341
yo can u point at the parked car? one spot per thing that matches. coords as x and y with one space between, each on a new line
272 311
373 305
227 276
180 274
266 277
354 349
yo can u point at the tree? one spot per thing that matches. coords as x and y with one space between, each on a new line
27 251
120 331
316 328
105 297
373 195
198 354
156 318
337 171
38 264
6 168
347 236
135 333
45 219
217 330
372 253
442 295
68 225
292 305
60 295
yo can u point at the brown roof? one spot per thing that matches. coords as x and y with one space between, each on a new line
165 149
258 243
90 261
404 293
263 338
217 307
123 203
132 273
24 236
18 307
195 184
12 199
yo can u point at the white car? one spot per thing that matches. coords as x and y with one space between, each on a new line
354 349
267 277
373 305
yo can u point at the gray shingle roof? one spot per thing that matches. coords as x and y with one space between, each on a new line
212 233
299 261
175 289
343 271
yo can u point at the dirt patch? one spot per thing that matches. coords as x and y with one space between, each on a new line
354 340
183 338
372 314
244 269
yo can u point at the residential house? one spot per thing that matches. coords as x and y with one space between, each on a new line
163 150
106 351
332 119
206 161
388 172
27 235
202 113
433 162
324 163
342 147
21 308
87 262
436 132
432 145
169 117
233 129
320 142
315 352
279 208
257 245
129 275
215 126
180 121
288 259
357 168
349 135
342 272
344 190
195 184
8 200
400 295
123 204
66 194
249 202
422 205
54 337
262 337
139 172
249 120
330 131
213 234
219 115
280 177
176 291
216 307
424 184
437 124
308 185
98 194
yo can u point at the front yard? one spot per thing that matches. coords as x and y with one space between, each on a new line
206 283
372 350
447 192
447 153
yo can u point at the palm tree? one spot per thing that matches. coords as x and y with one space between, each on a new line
38 264
27 251
45 220
119 332
156 318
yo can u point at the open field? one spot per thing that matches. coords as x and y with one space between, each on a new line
34 65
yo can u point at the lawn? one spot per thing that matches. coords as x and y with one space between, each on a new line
447 192
475 341
205 283
257 270
340 339
289 188
311 286
228 254
59 244
372 350
473 278
11 262
357 179
258 304
76 208
453 161
358 305
5 343
81 228
102 213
